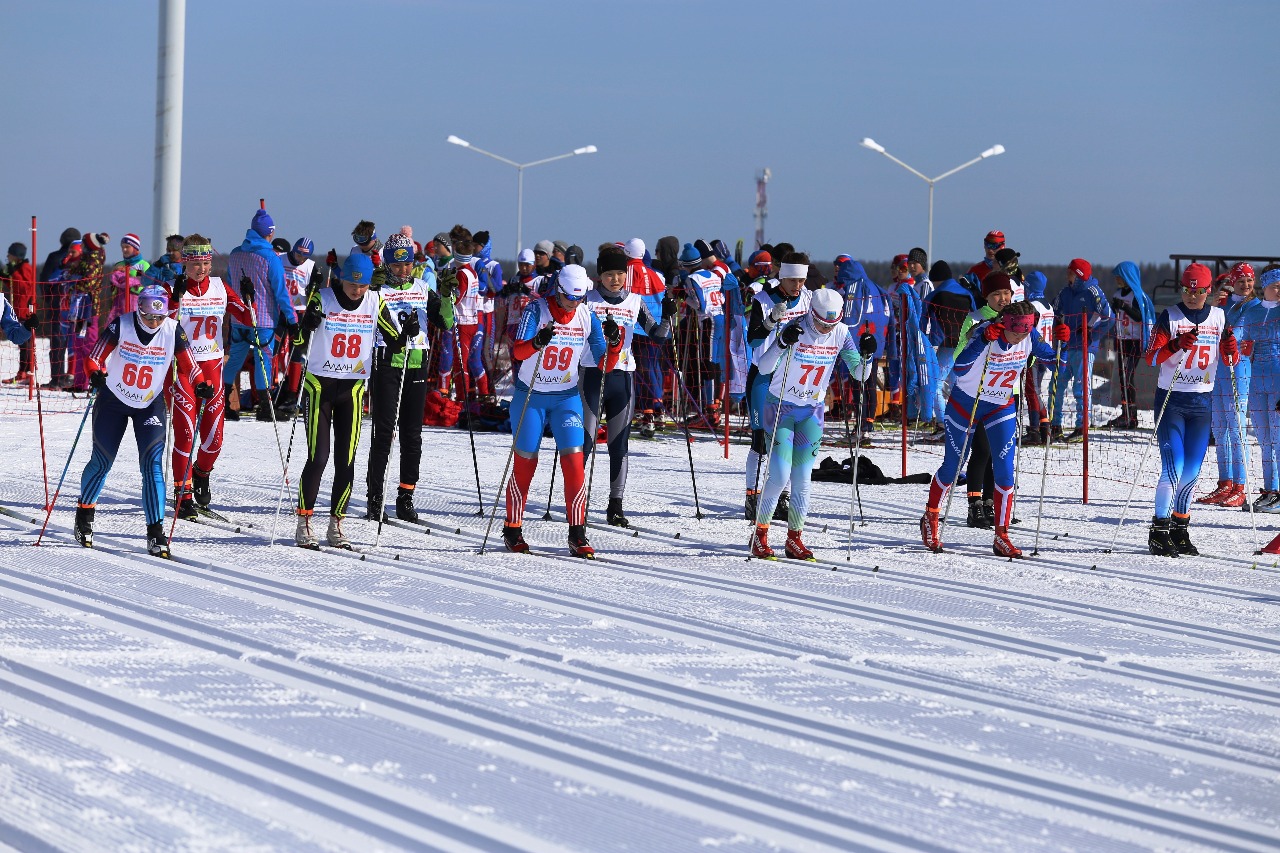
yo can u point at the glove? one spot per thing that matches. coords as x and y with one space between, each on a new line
204 390
179 287
789 335
447 283
317 278
994 330
867 345
1246 348
720 250
612 331
375 249
31 322
543 336
313 318
98 379
295 331
511 288
1186 340
777 312
246 289
331 259
410 327
1062 332
1230 350
669 306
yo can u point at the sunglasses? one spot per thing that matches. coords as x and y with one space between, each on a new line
996 246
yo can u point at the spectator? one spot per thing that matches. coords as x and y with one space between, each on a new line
86 304
48 299
19 279
1081 304
1135 315
992 243
918 267
168 266
129 276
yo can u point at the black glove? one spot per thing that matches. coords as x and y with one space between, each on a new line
246 290
31 322
543 336
670 305
447 283
721 250
867 345
612 331
98 379
295 331
313 318
179 287
789 334
317 278
410 326
510 289
204 390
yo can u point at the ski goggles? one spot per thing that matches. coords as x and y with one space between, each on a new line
1021 324
153 309
993 247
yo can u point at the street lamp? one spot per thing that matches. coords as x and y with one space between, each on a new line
520 167
879 149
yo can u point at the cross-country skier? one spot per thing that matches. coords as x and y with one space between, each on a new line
617 307
1229 400
202 301
341 322
799 360
1259 324
1186 344
988 374
554 332
128 367
466 338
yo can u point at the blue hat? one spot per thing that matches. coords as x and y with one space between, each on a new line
358 268
689 256
262 223
153 299
304 246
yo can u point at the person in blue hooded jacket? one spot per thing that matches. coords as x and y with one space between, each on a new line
1228 402
1135 315
1081 303
1259 325
947 307
1037 418
866 311
915 371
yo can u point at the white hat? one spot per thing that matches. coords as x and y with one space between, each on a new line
525 256
634 248
574 282
826 306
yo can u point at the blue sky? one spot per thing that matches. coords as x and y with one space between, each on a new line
1132 129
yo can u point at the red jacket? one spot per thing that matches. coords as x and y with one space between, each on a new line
20 287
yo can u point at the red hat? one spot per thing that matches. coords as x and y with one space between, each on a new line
97 242
996 280
994 237
1197 277
1241 270
900 260
1081 269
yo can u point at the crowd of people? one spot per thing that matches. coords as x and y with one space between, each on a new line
689 334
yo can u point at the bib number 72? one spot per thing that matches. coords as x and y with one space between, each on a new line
998 380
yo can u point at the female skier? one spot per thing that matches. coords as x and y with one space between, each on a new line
1259 324
145 344
1186 344
554 332
794 408
1229 400
627 310
988 372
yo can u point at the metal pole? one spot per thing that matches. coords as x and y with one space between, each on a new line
519 209
929 251
169 76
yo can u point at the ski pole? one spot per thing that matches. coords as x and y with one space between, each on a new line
49 509
267 371
688 441
551 489
1244 443
466 396
502 484
773 437
1044 468
191 462
968 431
604 374
395 430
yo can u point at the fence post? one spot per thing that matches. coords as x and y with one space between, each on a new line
725 374
902 377
1086 369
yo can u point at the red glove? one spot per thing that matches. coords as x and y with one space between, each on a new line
1186 340
332 258
1230 350
993 330
1246 348
1062 332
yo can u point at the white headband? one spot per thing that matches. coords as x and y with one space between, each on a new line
793 271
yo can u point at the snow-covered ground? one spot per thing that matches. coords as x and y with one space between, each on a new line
669 696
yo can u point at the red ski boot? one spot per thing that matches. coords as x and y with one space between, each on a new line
929 530
578 544
513 538
760 543
795 549
1218 494
1002 547
1234 497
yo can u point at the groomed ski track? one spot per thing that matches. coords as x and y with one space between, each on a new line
670 695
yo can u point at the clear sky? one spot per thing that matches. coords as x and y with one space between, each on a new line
1134 129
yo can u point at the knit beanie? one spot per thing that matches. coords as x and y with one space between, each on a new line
634 248
131 240
1080 268
689 256
96 242
18 250
940 271
399 250
262 223
357 268
996 280
546 247
918 256
611 261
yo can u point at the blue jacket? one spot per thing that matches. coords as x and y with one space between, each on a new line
1259 321
920 362
947 306
1084 301
865 307
1127 271
256 259
1033 287
13 330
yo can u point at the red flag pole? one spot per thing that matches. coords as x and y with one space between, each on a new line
724 392
1088 381
262 204
902 379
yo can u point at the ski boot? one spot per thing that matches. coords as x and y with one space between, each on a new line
1056 435
749 509
404 505
1075 436
1179 537
781 511
183 504
1120 421
200 488
614 514
1234 497
84 526
929 534
373 508
1267 503
1002 547
157 543
977 518
265 412
513 538
646 425
760 543
335 537
304 536
1159 542
989 513
795 549
1224 486
578 544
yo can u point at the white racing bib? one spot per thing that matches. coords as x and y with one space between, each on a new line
812 364
557 362
709 284
1003 373
1044 325
343 344
1196 367
202 318
766 305
626 314
137 370
410 299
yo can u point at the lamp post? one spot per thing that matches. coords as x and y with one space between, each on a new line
520 167
879 149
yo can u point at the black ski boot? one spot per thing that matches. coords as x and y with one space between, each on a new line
977 518
578 544
749 508
265 411
184 506
228 413
84 526
1159 542
1178 536
781 511
157 544
200 488
373 508
614 514
404 505
989 513
513 538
